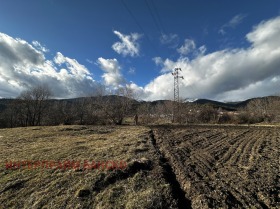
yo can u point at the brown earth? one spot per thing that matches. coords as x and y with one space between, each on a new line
167 167
225 166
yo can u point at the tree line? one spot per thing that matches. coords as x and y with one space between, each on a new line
35 107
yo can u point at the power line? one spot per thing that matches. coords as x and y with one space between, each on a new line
132 15
139 25
158 16
153 16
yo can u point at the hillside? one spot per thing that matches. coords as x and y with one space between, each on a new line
110 98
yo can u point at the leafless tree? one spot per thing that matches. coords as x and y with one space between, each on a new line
274 108
263 109
207 114
13 115
258 107
147 113
117 106
34 103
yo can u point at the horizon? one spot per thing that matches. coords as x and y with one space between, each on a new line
171 100
227 51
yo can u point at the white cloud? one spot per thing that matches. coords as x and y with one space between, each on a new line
138 91
157 60
262 88
128 45
266 34
231 74
167 65
236 20
112 75
188 47
169 39
23 66
235 74
131 70
89 61
74 68
202 50
39 46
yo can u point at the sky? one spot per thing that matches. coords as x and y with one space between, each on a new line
227 50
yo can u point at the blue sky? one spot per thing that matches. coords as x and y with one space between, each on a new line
75 46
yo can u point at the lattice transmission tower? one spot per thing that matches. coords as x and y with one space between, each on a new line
176 76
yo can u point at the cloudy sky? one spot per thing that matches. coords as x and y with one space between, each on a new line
227 50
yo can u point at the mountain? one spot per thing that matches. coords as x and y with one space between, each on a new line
232 106
229 106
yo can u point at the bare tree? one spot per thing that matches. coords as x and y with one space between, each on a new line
13 115
207 114
263 109
258 107
117 106
34 103
147 113
274 108
165 111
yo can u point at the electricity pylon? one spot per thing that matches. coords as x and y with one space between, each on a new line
176 92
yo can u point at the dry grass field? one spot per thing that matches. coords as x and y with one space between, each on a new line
140 184
165 167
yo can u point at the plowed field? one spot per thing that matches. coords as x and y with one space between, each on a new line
223 167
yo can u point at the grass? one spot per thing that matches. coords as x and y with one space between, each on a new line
136 186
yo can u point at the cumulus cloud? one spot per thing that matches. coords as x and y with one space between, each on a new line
236 20
112 69
128 46
138 91
230 74
23 65
266 34
40 47
73 67
234 74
